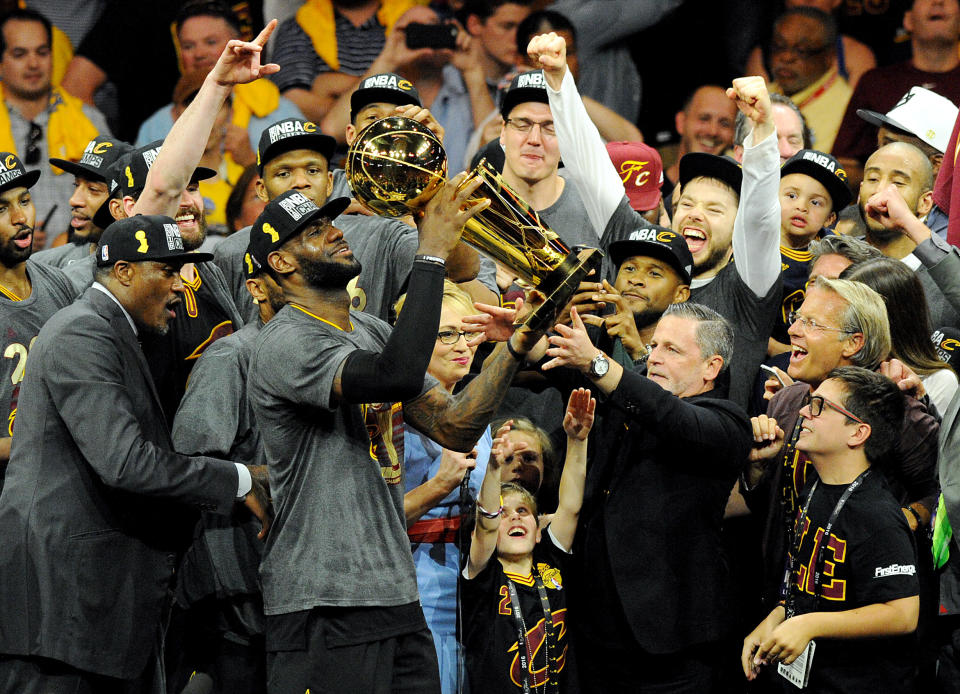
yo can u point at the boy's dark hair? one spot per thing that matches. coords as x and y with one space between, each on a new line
530 27
877 401
484 8
25 15
208 8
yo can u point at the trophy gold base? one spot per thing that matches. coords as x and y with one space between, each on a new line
562 283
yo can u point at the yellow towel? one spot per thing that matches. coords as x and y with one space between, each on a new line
316 18
259 98
68 130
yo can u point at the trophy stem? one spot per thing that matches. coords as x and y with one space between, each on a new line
560 285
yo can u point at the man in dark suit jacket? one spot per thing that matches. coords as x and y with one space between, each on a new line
96 502
649 596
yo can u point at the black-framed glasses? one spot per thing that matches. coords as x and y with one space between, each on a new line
817 402
32 154
810 324
524 125
452 337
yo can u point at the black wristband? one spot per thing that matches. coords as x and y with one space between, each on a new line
514 353
432 259
916 514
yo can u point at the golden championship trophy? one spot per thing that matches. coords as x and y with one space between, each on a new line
396 165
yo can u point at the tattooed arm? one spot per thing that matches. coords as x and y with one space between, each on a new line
457 421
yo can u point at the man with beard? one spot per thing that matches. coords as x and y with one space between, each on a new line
340 591
902 169
96 502
29 292
707 217
91 188
218 591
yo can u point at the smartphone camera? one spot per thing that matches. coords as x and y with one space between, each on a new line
431 35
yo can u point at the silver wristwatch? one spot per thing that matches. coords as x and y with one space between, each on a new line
599 366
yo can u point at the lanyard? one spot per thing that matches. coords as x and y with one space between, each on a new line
523 643
788 501
791 576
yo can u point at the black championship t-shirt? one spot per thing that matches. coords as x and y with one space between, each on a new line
490 628
869 558
200 321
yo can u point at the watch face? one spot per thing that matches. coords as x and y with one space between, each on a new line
599 366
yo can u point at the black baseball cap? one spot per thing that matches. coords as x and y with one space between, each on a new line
97 157
527 86
133 176
145 237
13 174
823 168
387 88
723 168
947 343
283 217
655 241
290 134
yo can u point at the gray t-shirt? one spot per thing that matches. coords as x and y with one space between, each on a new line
568 217
215 417
64 255
339 537
20 321
752 319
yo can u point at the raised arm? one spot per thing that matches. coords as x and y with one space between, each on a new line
396 372
483 541
584 153
168 178
577 423
756 230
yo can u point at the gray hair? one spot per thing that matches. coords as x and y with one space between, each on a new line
849 247
742 127
714 333
865 314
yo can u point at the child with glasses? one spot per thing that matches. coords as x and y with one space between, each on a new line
850 594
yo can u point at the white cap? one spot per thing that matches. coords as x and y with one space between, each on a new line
920 112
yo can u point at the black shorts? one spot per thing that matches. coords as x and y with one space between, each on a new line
357 650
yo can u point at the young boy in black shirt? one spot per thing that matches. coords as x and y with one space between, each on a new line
526 649
851 588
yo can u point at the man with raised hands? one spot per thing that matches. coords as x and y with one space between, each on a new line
746 293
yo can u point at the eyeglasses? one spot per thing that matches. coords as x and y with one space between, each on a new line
810 324
452 337
816 403
522 125
802 52
32 155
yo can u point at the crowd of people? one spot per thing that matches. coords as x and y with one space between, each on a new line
264 437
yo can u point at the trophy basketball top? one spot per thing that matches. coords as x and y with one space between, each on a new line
395 165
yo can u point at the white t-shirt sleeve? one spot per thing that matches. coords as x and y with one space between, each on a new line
756 230
584 154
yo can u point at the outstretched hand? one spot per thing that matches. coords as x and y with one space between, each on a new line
503 446
240 61
446 213
571 346
578 420
496 322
